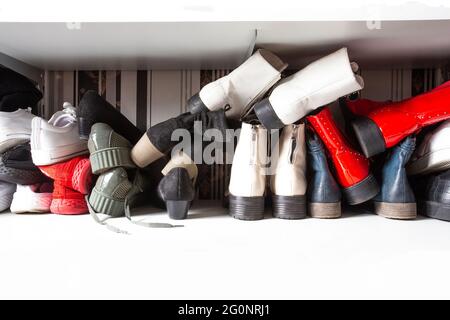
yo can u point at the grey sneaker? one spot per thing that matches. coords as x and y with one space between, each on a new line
108 149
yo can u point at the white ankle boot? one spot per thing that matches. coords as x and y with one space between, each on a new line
241 88
248 179
288 184
320 83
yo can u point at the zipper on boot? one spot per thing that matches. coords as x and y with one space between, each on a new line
254 146
293 144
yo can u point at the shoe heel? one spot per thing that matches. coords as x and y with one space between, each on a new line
325 210
246 208
178 210
84 129
369 136
289 207
362 191
399 211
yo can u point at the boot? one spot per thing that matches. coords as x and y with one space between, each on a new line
288 184
177 188
158 140
433 193
108 149
75 174
324 194
66 201
248 179
351 167
237 91
320 83
396 199
93 109
17 91
387 126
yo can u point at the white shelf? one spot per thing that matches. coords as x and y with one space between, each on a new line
215 256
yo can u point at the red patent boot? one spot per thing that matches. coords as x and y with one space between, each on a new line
362 107
67 201
351 167
386 126
75 173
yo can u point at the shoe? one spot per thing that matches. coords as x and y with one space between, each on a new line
396 199
319 84
16 166
75 174
248 177
362 107
6 195
386 126
351 168
15 128
108 149
67 201
93 109
433 154
433 195
57 140
17 91
288 184
177 188
324 194
237 91
35 198
158 140
112 189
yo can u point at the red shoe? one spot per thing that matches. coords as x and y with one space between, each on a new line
386 126
351 168
75 173
67 201
362 107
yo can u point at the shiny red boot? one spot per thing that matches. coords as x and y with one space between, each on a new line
75 173
386 126
67 201
351 167
362 107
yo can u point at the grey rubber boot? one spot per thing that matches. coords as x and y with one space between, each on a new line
108 149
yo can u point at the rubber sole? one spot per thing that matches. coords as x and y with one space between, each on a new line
435 210
434 161
110 158
195 105
82 177
246 208
68 206
5 201
369 136
31 203
267 116
178 210
289 207
106 205
53 156
325 210
398 211
10 143
362 191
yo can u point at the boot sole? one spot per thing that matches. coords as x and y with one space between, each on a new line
398 211
369 136
435 210
325 210
289 207
246 208
434 161
362 191
110 158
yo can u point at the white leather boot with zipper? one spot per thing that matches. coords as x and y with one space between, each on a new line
238 90
248 179
318 84
288 184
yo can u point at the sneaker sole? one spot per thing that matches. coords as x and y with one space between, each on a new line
434 161
69 206
31 203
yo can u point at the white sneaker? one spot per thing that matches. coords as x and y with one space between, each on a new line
433 154
58 139
15 128
36 198
6 194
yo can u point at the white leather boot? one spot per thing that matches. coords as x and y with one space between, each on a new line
288 184
318 84
248 180
238 90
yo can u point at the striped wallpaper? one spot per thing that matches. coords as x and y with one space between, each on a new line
148 97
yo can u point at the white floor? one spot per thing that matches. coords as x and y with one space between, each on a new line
214 256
